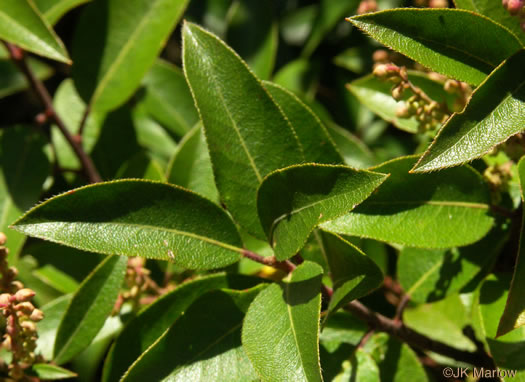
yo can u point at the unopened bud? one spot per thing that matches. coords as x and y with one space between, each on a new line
17 284
25 307
366 6
28 326
397 92
514 6
451 86
3 238
505 3
403 111
37 315
438 3
24 294
12 272
380 55
5 300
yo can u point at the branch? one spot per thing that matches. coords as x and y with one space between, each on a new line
18 57
378 322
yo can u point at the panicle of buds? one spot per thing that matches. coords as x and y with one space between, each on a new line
427 112
516 8
20 316
366 6
461 89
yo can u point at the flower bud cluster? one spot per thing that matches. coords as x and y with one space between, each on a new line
429 113
138 282
516 8
461 89
431 3
366 6
21 317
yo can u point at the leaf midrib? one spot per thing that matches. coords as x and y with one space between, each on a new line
425 276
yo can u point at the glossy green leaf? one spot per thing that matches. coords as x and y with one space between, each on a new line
47 328
376 95
115 43
191 166
342 328
514 315
300 76
441 210
154 320
317 144
56 278
355 153
141 166
23 25
360 367
138 218
282 328
293 201
329 14
354 275
24 167
496 111
168 98
49 372
89 308
453 42
12 80
53 10
506 350
253 33
246 135
430 275
215 354
495 11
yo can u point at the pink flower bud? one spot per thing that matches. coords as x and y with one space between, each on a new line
5 300
37 315
25 307
514 6
3 238
25 294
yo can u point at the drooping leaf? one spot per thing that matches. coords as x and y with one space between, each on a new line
89 308
12 80
495 11
441 210
49 372
317 144
329 13
495 112
191 166
430 275
506 350
47 328
115 43
248 136
280 334
23 25
24 167
216 354
253 33
376 95
53 10
514 315
138 218
293 201
354 275
457 43
149 325
168 99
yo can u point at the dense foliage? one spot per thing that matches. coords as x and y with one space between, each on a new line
247 190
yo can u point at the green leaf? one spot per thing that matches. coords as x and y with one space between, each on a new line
12 80
430 275
440 210
342 328
191 166
24 167
293 201
47 328
507 350
56 278
23 25
360 367
354 275
355 153
51 372
282 327
376 95
330 13
115 44
496 111
53 10
495 11
253 33
168 99
246 135
215 354
138 218
151 323
317 144
89 308
459 44
514 315
299 76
